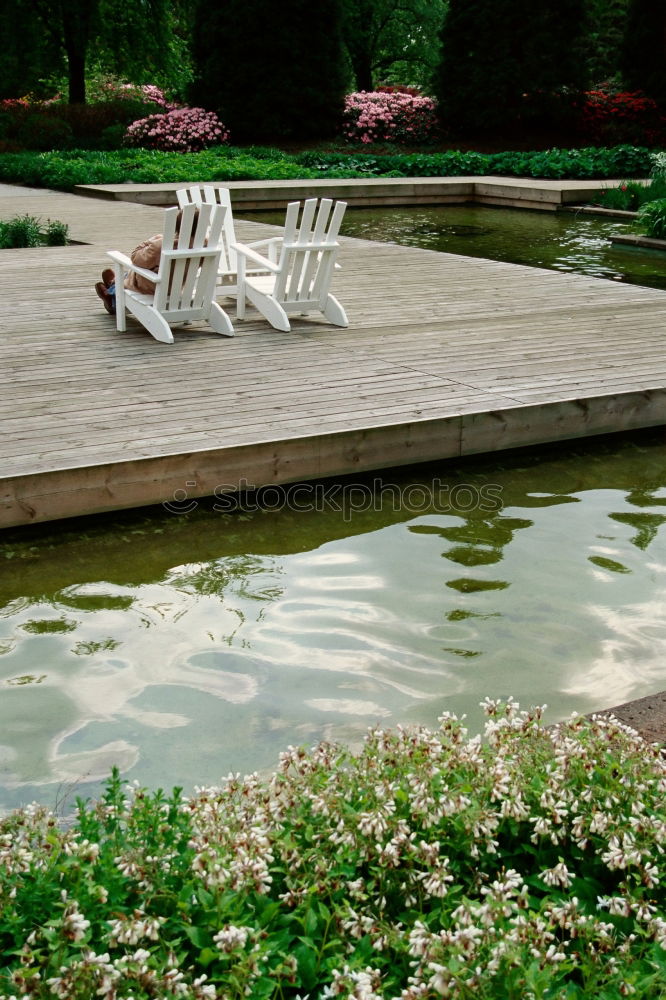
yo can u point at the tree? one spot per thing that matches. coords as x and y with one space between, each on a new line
150 41
25 55
603 33
270 70
145 40
392 41
504 62
69 25
644 48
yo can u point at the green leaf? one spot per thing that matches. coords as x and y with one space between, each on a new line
205 897
199 937
306 958
207 955
311 922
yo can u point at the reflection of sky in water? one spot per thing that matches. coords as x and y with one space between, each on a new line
218 663
561 241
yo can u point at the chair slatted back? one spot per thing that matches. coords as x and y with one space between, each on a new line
189 261
308 251
208 194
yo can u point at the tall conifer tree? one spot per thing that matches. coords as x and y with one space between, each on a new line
503 60
644 49
271 70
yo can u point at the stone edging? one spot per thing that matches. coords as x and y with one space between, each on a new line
518 192
632 240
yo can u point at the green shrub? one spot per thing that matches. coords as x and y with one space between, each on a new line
653 216
58 125
111 137
44 131
65 169
23 231
89 121
659 166
552 163
56 233
630 195
622 198
429 864
27 231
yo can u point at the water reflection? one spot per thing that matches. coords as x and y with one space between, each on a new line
180 648
561 241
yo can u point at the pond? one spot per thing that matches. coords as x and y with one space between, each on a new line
560 241
182 646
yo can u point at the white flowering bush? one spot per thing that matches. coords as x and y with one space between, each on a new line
386 116
183 130
525 866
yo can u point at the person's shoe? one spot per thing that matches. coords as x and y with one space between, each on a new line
108 276
100 288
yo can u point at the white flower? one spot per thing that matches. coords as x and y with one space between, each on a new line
74 923
231 937
559 875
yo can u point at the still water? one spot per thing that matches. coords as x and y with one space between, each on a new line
560 241
181 646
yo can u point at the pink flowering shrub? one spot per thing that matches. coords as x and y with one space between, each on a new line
389 116
185 130
147 92
104 88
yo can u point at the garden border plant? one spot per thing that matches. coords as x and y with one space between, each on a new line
29 231
649 200
65 169
429 864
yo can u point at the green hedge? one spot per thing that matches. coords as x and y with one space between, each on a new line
64 170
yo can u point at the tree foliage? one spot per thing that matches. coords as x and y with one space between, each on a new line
146 41
25 55
392 41
644 48
271 71
505 61
604 29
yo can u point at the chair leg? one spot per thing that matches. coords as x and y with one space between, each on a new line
155 323
275 315
270 309
240 303
334 312
121 318
220 322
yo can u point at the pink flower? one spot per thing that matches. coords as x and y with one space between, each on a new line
389 116
186 130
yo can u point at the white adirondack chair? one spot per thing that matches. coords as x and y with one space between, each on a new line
185 281
207 194
299 280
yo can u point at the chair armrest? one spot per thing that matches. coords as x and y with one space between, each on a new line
273 242
263 243
246 251
124 261
120 258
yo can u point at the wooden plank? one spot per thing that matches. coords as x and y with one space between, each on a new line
445 355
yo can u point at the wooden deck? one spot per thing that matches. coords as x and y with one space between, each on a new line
445 356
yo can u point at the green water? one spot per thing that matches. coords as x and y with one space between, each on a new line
560 241
184 646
